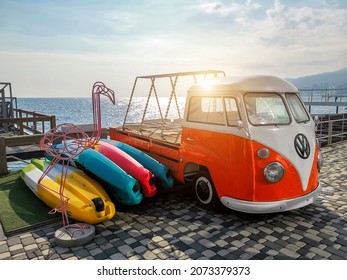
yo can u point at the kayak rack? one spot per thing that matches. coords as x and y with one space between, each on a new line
153 92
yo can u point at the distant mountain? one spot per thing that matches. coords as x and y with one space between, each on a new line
337 79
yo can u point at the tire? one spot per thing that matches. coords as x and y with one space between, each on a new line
205 191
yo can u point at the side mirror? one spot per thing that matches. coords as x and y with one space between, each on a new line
240 124
316 119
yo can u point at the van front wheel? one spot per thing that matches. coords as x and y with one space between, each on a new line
205 191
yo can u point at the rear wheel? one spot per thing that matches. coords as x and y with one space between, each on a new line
205 191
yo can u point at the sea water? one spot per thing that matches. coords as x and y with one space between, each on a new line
79 110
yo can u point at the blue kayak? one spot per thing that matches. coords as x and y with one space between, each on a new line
119 185
160 171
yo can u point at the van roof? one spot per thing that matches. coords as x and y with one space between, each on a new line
259 83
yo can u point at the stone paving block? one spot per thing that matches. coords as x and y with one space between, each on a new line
320 252
221 243
82 253
187 240
27 240
135 257
145 241
99 240
125 250
252 230
101 256
148 255
118 256
135 233
5 256
338 253
157 239
183 229
343 242
129 241
167 236
265 229
193 227
161 254
258 246
106 232
19 256
30 247
174 223
171 230
208 253
95 251
140 249
178 255
207 243
3 248
13 241
271 238
278 229
163 243
66 256
198 247
310 241
170 248
16 249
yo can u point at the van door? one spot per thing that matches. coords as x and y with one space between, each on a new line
212 139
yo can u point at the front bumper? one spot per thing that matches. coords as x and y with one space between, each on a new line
271 206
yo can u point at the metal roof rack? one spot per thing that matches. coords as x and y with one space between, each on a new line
173 77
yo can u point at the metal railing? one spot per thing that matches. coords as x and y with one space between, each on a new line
330 99
331 128
327 106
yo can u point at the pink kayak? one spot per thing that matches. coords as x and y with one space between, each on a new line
130 166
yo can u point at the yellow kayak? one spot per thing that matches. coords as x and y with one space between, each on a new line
88 201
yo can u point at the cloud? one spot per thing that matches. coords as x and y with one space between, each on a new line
232 8
288 38
138 37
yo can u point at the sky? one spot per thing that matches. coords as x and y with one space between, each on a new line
58 48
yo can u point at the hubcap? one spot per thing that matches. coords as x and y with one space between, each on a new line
203 190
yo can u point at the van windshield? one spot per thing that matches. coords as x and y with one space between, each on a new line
266 109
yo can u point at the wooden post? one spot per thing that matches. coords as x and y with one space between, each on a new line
53 122
3 159
21 128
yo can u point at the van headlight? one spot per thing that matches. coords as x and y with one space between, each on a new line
320 161
273 172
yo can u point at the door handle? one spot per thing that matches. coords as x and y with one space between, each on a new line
190 139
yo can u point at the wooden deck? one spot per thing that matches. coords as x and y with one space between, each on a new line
23 152
22 147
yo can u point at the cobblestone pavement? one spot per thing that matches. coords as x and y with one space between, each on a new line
173 226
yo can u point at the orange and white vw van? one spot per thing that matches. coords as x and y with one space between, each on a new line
248 143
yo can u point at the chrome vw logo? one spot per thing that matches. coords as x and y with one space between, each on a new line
302 146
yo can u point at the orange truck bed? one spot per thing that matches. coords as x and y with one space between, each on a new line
160 140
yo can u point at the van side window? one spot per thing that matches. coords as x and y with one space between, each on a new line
206 110
297 108
231 111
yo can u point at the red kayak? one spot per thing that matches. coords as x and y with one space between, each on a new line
130 166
